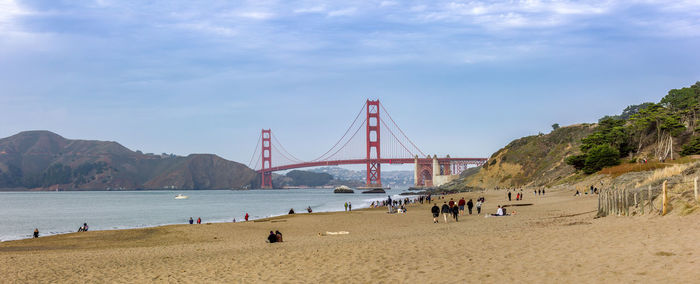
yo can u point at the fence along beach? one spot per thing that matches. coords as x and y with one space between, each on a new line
554 239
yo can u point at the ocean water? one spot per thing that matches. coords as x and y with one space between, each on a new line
63 212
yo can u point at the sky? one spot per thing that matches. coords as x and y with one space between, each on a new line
459 77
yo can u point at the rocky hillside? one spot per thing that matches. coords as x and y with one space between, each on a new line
42 160
529 161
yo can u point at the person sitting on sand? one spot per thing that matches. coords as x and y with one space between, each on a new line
272 238
499 212
445 210
85 227
436 213
36 233
309 209
279 236
291 211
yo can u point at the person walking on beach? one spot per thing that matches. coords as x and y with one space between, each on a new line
191 221
478 206
246 217
445 210
36 233
346 206
470 205
543 191
451 203
349 206
461 204
199 220
509 195
436 212
455 212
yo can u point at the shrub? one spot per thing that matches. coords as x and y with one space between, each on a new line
692 147
599 157
578 161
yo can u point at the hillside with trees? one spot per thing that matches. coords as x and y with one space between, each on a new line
642 133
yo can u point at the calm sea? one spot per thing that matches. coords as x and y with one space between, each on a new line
62 212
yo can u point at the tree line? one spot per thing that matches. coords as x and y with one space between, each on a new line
625 135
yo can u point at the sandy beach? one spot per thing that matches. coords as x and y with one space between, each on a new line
554 240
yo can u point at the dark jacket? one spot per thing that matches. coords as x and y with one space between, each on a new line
446 208
470 204
435 209
272 238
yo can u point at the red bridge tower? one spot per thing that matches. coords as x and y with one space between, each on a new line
374 171
266 175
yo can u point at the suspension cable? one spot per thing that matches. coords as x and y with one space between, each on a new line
397 126
345 134
295 159
257 146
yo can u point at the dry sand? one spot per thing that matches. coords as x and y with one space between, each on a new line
555 240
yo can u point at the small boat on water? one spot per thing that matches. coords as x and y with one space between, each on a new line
180 196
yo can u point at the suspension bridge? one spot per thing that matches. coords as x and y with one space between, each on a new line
381 142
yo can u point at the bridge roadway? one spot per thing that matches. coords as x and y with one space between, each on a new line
474 161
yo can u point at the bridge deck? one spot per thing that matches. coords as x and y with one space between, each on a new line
474 161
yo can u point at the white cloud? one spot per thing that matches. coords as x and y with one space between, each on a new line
309 10
9 10
342 12
388 3
256 15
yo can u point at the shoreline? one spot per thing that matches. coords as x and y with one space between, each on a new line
553 240
251 219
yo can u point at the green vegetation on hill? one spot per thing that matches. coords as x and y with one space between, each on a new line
657 131
659 125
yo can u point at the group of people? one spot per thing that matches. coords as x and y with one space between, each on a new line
199 220
518 195
275 237
455 209
348 206
539 192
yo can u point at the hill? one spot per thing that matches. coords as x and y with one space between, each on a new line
652 134
530 161
42 160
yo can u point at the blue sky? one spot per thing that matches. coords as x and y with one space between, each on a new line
460 77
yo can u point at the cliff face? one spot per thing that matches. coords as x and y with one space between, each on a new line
42 160
533 160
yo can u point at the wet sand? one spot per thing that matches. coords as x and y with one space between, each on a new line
554 240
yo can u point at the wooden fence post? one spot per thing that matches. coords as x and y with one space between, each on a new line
664 199
651 201
627 202
635 200
695 188
599 209
641 193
